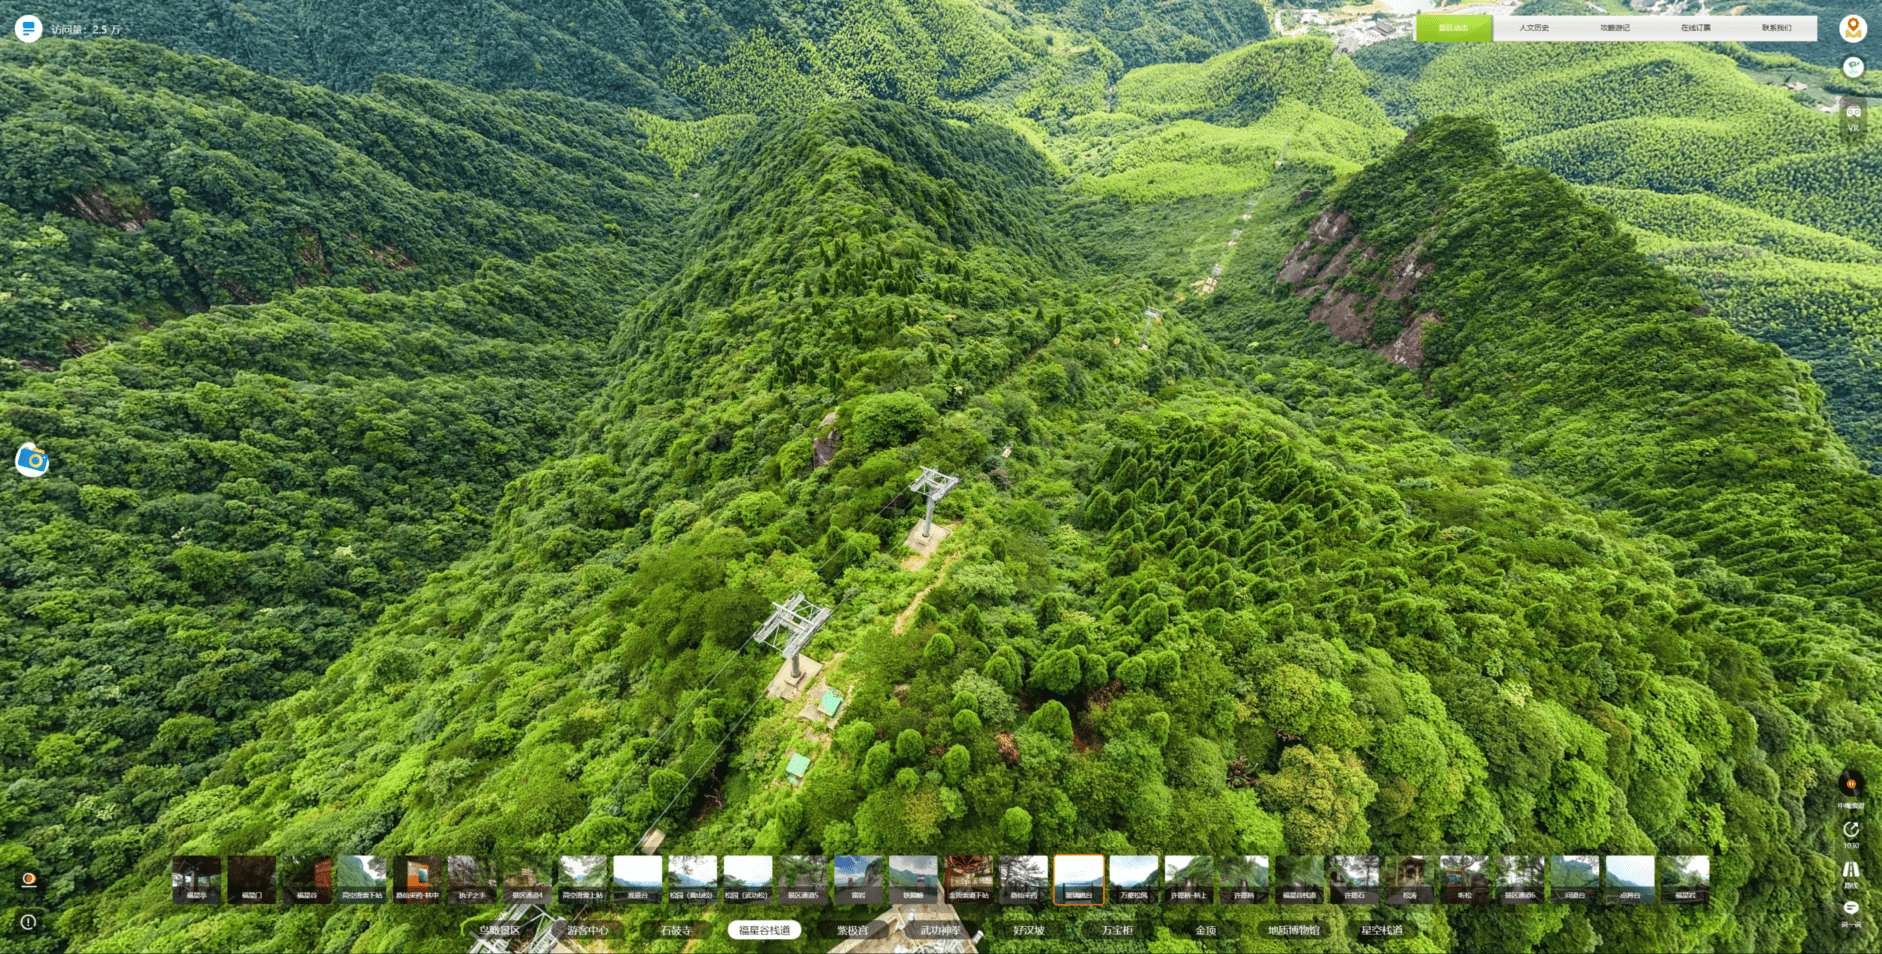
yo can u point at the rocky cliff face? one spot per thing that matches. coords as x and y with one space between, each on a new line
1362 300
92 205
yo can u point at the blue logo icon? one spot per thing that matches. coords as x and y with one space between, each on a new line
30 461
27 28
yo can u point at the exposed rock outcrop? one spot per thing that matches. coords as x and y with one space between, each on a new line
94 206
1353 307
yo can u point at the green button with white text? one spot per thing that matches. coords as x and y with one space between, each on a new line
1440 28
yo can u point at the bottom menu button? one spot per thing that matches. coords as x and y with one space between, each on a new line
764 930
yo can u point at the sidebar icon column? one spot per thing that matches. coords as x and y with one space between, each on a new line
1851 805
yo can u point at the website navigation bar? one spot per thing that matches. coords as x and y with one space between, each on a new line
1483 28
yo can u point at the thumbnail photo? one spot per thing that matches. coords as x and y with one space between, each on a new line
859 879
416 879
693 879
803 879
636 879
1687 879
1189 879
360 879
471 879
748 879
582 879
914 879
1519 879
1078 879
1245 879
1464 879
1354 879
1134 880
1023 879
196 879
1408 880
306 879
252 879
1627 879
969 879
1574 877
527 878
1300 879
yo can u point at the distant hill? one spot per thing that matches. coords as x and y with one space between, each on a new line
650 55
1615 880
350 872
1573 874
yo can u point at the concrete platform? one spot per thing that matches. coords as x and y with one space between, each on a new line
784 687
926 546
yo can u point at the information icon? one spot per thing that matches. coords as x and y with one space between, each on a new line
1852 67
1855 29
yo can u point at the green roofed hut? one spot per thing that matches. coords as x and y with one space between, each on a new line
799 764
832 701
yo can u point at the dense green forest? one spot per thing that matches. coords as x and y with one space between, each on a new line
652 55
431 428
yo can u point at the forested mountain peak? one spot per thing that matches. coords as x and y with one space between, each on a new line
869 167
1534 309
